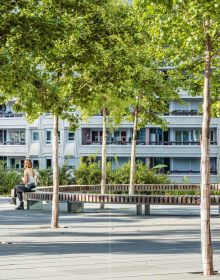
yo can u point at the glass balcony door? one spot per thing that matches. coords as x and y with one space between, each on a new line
3 136
157 135
187 137
17 136
96 136
123 136
16 162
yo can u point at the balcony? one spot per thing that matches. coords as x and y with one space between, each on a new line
185 113
10 115
189 172
114 142
12 143
13 148
176 143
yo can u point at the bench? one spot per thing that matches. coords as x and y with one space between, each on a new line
75 201
139 188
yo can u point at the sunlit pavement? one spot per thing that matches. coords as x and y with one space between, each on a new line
112 244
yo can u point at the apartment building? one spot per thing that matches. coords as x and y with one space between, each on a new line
178 148
20 139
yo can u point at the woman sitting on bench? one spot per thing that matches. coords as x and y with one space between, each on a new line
29 183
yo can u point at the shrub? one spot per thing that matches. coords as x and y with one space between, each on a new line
8 180
89 172
46 176
66 176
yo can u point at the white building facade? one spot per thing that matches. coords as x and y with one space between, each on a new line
178 148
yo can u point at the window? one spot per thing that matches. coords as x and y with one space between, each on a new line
141 159
17 136
195 135
94 136
213 165
123 136
2 109
141 135
70 136
187 137
14 136
178 136
117 135
156 135
16 163
35 136
3 136
22 136
3 162
35 163
213 136
162 163
48 163
69 161
48 136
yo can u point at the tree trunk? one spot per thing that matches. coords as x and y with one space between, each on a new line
104 142
133 153
206 244
55 201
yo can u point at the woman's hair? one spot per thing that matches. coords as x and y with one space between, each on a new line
27 163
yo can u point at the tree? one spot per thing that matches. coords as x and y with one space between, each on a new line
189 31
59 81
107 71
24 32
126 80
148 99
148 90
14 39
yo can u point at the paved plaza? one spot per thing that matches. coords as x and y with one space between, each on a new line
112 244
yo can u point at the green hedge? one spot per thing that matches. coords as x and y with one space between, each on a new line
65 176
8 179
89 172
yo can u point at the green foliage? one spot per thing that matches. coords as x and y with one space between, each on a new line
51 50
181 192
90 173
182 28
66 176
46 176
120 175
186 180
8 180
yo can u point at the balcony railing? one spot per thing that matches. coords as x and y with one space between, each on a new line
12 143
10 115
139 142
185 113
88 142
175 143
192 172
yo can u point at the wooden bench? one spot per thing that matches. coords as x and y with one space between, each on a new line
139 188
75 201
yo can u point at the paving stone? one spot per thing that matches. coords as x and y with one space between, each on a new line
110 244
